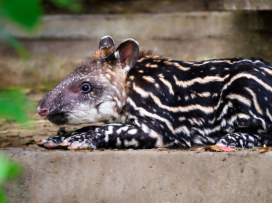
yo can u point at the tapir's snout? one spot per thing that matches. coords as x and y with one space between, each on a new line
42 111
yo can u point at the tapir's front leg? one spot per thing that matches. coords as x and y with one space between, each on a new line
53 142
106 136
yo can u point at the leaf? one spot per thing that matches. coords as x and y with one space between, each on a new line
217 148
8 169
200 151
7 38
262 150
265 149
26 13
213 148
2 196
68 4
14 106
14 170
225 149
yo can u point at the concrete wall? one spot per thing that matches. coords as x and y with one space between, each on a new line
63 41
141 176
248 4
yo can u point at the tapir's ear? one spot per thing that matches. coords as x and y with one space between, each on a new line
128 53
106 42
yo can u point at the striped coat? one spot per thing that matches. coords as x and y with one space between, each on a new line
148 101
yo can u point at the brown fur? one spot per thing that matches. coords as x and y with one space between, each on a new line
102 53
105 52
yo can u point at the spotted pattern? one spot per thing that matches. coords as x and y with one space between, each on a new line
127 136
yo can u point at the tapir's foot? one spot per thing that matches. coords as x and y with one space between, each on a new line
238 139
79 139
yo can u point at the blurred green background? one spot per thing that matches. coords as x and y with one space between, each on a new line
14 105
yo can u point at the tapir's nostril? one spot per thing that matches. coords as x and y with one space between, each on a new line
42 112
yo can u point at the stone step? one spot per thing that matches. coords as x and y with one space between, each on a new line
63 41
248 5
174 26
140 176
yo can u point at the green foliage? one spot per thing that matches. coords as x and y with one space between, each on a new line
68 4
6 37
14 105
26 13
8 170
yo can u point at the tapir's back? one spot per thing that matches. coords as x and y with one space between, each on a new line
201 101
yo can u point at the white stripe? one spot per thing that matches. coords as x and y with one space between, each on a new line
256 104
239 98
168 84
268 114
204 80
192 107
243 75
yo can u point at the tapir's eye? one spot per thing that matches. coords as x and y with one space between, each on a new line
85 88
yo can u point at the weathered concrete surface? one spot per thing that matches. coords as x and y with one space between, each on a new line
141 176
63 41
159 26
248 4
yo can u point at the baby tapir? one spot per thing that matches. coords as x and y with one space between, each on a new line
149 101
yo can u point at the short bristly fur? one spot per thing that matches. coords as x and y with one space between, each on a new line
150 101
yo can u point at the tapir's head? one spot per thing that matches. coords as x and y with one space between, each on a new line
95 90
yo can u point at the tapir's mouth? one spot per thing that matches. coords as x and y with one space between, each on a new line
58 118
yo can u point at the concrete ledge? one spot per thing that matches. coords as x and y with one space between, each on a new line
174 26
151 26
248 4
141 176
63 41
